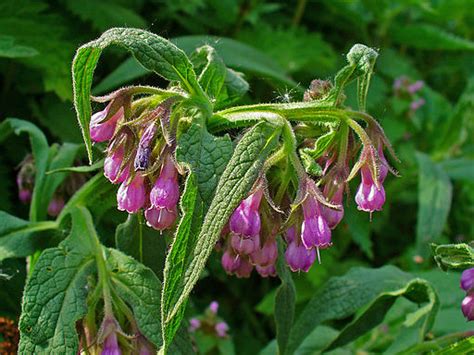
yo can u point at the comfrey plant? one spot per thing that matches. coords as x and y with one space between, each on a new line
262 183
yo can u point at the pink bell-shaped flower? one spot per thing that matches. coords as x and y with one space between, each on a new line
467 279
131 196
467 306
160 218
55 206
369 197
100 130
113 164
266 255
245 220
315 232
298 257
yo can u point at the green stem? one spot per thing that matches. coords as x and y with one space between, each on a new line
344 132
300 7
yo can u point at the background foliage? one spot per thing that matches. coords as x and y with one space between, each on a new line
281 47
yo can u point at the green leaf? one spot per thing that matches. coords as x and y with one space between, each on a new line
213 74
206 156
359 229
235 183
142 243
434 202
285 298
153 52
20 238
459 169
9 49
39 146
424 36
461 347
138 286
55 294
373 289
321 144
453 256
235 86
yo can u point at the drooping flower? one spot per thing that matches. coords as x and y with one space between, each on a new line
55 206
230 261
467 306
298 257
467 279
25 179
160 218
244 269
131 196
100 130
221 329
113 166
111 346
266 255
142 158
108 336
315 232
245 245
266 271
369 197
245 220
334 192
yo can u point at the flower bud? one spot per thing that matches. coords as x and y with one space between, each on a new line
230 261
290 235
467 279
111 346
266 255
214 307
131 195
244 245
299 258
112 165
24 195
315 231
332 216
369 198
266 271
467 306
100 130
55 206
221 329
245 220
142 158
165 191
194 324
108 336
160 218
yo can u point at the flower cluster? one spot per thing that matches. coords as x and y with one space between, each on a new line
139 159
209 323
467 284
407 89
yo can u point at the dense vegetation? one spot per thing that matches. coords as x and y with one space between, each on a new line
389 282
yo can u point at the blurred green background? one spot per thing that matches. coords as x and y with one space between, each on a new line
281 46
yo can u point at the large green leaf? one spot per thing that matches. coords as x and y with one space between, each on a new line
459 169
55 294
10 49
20 238
152 51
235 182
424 36
374 290
434 202
39 146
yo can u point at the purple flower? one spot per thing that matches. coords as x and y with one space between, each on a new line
333 217
24 195
383 166
467 279
244 245
290 235
369 197
416 86
266 271
244 269
221 329
142 158
214 307
165 191
245 220
416 104
111 346
298 257
194 324
131 195
55 206
160 218
113 164
266 255
467 306
315 231
230 261
100 130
